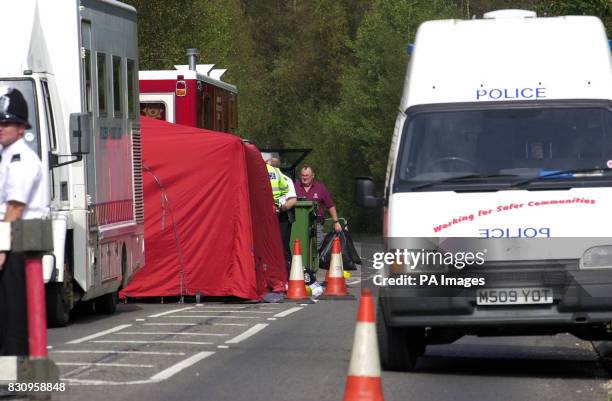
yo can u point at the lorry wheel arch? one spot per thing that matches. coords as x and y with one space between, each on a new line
58 307
58 295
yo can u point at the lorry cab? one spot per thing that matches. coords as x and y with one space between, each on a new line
79 79
502 148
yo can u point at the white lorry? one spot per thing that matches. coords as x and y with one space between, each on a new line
76 62
503 150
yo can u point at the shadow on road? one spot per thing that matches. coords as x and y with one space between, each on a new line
514 361
84 313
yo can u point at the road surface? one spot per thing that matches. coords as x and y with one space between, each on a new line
292 352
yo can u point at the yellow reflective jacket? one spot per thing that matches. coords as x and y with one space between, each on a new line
278 183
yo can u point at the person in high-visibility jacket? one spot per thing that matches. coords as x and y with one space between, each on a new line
284 200
278 184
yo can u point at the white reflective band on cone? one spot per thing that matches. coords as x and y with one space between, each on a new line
364 356
335 266
297 269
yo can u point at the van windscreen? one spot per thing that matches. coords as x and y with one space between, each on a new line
502 144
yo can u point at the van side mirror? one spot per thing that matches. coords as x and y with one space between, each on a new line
80 133
364 193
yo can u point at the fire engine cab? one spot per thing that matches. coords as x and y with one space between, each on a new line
192 94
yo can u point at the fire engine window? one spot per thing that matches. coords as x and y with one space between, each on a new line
153 109
207 113
218 111
232 111
102 89
131 85
117 86
226 111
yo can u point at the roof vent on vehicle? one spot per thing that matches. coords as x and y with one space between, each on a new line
192 58
510 14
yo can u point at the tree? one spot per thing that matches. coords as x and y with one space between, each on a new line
599 8
360 127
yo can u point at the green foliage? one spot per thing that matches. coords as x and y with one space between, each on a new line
599 8
371 89
302 47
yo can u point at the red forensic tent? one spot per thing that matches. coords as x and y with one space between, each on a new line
209 220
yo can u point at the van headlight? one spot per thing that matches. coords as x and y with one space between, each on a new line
598 257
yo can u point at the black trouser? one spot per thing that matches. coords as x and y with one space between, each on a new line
13 307
285 227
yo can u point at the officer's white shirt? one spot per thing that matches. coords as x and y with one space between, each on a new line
291 191
21 180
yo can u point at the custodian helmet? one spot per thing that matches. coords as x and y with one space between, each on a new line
13 108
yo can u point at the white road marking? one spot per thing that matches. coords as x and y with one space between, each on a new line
161 376
99 334
174 369
288 311
144 333
104 382
169 324
230 324
223 346
150 342
49 346
140 320
171 311
271 318
109 365
250 332
90 351
220 306
220 317
230 311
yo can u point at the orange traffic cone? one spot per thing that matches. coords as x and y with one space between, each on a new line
335 285
297 286
363 382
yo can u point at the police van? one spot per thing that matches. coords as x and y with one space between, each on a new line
502 148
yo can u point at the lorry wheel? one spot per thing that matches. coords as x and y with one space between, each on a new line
106 304
399 348
58 308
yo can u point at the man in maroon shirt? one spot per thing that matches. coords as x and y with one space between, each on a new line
313 190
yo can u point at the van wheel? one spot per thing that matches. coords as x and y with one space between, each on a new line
106 304
399 348
58 307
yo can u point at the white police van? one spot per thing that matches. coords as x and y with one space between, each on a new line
503 146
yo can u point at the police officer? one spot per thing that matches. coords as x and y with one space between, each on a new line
280 190
286 214
22 196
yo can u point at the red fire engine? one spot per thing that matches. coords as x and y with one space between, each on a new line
192 94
